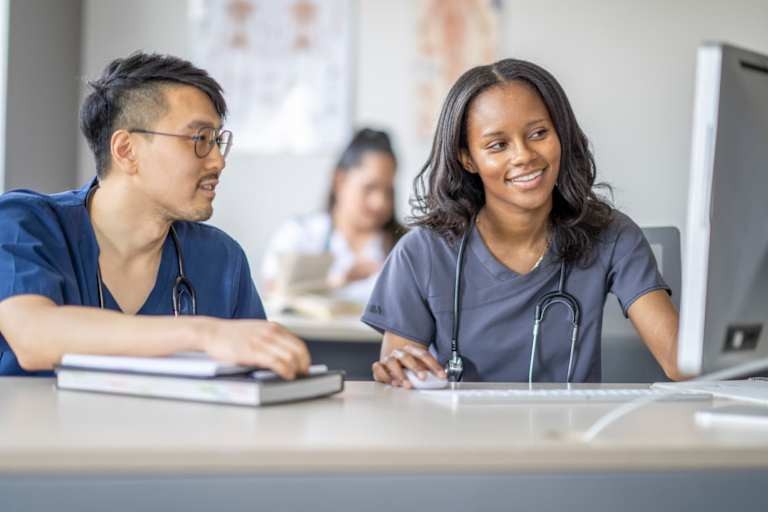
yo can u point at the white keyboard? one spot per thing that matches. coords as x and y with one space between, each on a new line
753 390
482 396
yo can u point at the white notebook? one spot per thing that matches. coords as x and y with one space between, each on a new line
191 376
191 364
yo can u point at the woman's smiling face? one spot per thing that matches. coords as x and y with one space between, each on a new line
512 145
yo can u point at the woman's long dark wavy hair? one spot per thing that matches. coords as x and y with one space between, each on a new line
364 141
447 197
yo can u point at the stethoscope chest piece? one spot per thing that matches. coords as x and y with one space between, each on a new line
181 286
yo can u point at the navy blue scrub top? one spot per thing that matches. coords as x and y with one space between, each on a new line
413 298
48 247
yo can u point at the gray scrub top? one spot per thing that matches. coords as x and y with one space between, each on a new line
413 298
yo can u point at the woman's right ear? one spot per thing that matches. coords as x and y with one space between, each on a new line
466 161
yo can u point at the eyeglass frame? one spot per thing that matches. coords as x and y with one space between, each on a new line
196 138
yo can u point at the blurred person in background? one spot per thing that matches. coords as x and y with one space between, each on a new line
359 227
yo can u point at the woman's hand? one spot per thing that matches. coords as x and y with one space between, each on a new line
397 354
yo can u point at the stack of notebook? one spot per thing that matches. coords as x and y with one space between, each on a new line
191 376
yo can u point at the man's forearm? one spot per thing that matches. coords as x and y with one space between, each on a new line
40 332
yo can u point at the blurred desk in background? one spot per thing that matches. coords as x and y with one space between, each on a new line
343 343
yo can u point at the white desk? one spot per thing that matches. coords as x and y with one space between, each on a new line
370 448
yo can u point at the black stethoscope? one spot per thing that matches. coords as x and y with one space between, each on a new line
454 368
182 286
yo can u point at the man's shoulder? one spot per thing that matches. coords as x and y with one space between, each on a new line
32 200
25 206
205 236
25 199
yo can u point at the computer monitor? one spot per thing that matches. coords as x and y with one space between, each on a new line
724 314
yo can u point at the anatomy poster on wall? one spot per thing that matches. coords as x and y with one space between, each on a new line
285 66
452 36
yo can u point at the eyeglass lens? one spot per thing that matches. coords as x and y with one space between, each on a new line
206 138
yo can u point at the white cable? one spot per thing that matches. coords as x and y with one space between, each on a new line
615 414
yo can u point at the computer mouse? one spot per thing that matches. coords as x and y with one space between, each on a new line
431 381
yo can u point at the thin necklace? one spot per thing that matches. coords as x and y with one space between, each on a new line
541 258
543 253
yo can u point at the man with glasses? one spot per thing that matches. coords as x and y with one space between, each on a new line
123 265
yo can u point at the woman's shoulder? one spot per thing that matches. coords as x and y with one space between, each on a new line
620 226
622 236
305 232
420 239
306 224
312 222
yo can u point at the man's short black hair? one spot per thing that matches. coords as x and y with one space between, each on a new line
129 94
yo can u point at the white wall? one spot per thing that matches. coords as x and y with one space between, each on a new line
39 116
627 66
4 12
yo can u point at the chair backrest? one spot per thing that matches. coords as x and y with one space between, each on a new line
625 357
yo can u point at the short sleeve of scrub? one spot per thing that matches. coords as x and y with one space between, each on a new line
414 298
32 248
248 303
399 300
48 248
632 268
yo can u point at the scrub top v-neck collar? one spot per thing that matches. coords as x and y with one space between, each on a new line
159 299
496 268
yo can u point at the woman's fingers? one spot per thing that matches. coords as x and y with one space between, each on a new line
426 360
407 360
395 368
391 369
380 373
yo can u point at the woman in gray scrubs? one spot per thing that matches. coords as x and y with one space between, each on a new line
511 173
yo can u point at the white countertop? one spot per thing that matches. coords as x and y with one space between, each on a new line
369 427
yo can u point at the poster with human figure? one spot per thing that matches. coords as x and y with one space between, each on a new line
452 36
285 66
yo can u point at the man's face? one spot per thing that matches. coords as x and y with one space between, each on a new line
176 182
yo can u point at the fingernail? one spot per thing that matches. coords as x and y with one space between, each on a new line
422 375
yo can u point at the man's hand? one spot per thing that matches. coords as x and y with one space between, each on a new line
258 343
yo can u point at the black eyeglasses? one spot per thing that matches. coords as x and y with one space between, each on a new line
205 139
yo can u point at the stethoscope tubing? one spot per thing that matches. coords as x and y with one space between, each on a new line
455 365
181 282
